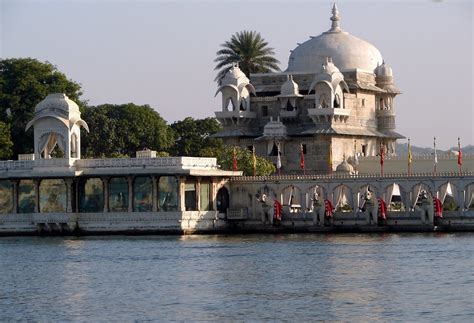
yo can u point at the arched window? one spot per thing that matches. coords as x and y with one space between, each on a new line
323 101
337 101
289 107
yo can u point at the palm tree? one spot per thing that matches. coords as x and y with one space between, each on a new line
248 49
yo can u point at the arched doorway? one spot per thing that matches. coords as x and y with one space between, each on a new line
222 200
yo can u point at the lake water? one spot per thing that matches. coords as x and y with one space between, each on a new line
405 277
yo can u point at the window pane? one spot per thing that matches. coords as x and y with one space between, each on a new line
91 195
6 197
204 195
26 196
190 196
168 188
118 194
52 196
143 192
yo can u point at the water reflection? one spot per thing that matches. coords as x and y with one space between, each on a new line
249 277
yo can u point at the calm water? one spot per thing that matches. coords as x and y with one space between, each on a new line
408 277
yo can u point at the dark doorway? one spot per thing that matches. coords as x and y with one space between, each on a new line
222 200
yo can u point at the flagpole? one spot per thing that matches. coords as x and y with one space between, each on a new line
435 156
459 156
410 157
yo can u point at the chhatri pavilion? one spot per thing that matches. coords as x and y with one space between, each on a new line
334 101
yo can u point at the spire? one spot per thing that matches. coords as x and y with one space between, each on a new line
335 19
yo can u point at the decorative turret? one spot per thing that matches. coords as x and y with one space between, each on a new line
236 89
288 98
329 86
57 121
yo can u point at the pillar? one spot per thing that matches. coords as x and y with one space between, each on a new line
461 199
213 194
37 197
130 193
198 194
181 201
15 196
407 201
105 183
155 193
355 200
69 196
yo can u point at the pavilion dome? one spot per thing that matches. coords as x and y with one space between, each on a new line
57 101
347 52
290 87
344 167
234 76
383 70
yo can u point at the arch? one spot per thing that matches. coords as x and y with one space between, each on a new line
393 196
291 195
222 200
418 189
469 196
448 195
342 198
47 115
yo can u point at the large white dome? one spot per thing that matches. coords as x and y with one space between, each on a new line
347 51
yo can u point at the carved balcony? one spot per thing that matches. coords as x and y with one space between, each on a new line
285 114
228 118
329 115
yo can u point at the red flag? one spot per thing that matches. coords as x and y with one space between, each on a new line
438 207
301 157
234 160
382 209
328 208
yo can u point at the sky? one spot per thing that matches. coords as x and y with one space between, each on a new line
162 53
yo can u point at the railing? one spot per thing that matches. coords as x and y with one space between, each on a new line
273 178
184 162
237 214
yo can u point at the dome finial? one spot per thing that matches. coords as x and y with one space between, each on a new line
335 19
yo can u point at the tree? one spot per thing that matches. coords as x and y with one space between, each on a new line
250 50
24 82
6 143
121 130
244 161
193 137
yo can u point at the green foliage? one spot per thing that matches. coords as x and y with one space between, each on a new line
244 161
24 82
193 137
6 143
250 50
121 130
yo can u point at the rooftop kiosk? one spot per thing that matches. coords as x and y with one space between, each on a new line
42 193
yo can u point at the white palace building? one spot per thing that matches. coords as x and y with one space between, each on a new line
336 99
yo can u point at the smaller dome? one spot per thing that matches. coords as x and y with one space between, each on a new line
234 76
57 101
345 167
289 88
383 70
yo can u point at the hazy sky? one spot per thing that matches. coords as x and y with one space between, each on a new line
161 52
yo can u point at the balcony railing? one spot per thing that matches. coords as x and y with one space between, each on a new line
329 115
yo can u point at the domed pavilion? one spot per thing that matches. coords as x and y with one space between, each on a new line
335 99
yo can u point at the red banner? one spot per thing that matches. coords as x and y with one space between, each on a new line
277 210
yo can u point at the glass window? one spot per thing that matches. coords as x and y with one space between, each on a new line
190 196
205 193
168 189
118 194
52 196
143 193
91 195
6 197
26 196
